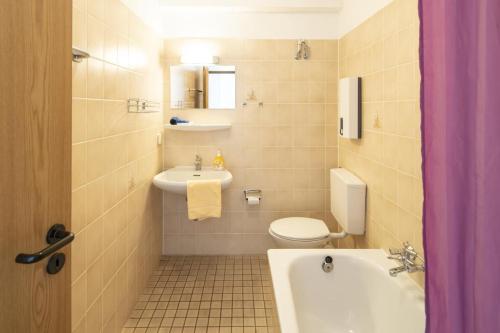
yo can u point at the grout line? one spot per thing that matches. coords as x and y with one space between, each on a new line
118 135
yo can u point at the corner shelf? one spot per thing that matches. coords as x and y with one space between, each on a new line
194 127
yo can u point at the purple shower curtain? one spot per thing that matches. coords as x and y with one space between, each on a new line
460 66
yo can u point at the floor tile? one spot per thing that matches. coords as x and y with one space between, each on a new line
206 294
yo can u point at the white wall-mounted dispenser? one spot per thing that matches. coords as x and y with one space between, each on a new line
350 108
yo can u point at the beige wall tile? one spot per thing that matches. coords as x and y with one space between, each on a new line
95 159
391 51
390 162
110 81
94 281
78 300
80 28
94 119
109 263
284 148
101 176
95 37
94 317
79 120
95 80
94 241
97 8
78 256
110 45
79 165
79 79
109 305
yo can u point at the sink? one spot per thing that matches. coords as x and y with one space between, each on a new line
175 180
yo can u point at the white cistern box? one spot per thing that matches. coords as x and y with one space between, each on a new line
348 201
349 122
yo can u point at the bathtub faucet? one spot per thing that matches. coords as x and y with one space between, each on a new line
410 260
327 265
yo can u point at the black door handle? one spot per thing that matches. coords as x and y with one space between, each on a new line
57 237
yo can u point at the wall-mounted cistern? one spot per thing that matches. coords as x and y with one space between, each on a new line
408 258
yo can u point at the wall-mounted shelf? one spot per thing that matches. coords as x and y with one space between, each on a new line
197 127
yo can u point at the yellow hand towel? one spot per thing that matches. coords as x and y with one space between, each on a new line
203 199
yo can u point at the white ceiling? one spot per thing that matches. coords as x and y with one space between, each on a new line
253 6
266 19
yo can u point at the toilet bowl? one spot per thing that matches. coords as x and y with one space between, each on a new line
299 232
347 205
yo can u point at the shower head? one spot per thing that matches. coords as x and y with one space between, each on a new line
305 50
298 55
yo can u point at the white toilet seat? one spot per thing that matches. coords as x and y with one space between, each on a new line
296 240
299 229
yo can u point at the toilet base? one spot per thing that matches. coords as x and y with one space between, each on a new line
290 244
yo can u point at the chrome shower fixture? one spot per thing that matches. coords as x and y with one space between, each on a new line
302 50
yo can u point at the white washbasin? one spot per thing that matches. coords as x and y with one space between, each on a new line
175 180
358 296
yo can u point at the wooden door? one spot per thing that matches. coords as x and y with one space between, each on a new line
35 161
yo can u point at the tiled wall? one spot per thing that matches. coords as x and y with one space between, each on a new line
283 148
384 52
116 213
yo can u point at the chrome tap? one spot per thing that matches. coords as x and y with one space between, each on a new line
197 162
408 258
327 265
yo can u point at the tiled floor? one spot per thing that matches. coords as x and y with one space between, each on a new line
211 294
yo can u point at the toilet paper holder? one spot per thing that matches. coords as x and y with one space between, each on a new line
252 193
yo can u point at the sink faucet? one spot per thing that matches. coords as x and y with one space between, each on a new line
197 162
408 257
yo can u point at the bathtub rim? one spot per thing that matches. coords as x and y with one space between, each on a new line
281 260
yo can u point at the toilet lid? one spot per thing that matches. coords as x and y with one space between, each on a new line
299 228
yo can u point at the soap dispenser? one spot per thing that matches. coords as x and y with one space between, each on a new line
218 163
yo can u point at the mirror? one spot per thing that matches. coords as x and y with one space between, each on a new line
202 87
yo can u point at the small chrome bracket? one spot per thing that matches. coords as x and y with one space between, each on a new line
252 193
79 55
139 105
260 104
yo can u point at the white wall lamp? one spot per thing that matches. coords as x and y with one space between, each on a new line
199 59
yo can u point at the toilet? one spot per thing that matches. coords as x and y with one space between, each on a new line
347 205
299 232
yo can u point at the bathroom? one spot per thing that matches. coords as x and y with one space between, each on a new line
338 176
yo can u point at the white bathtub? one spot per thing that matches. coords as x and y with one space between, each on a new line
358 296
